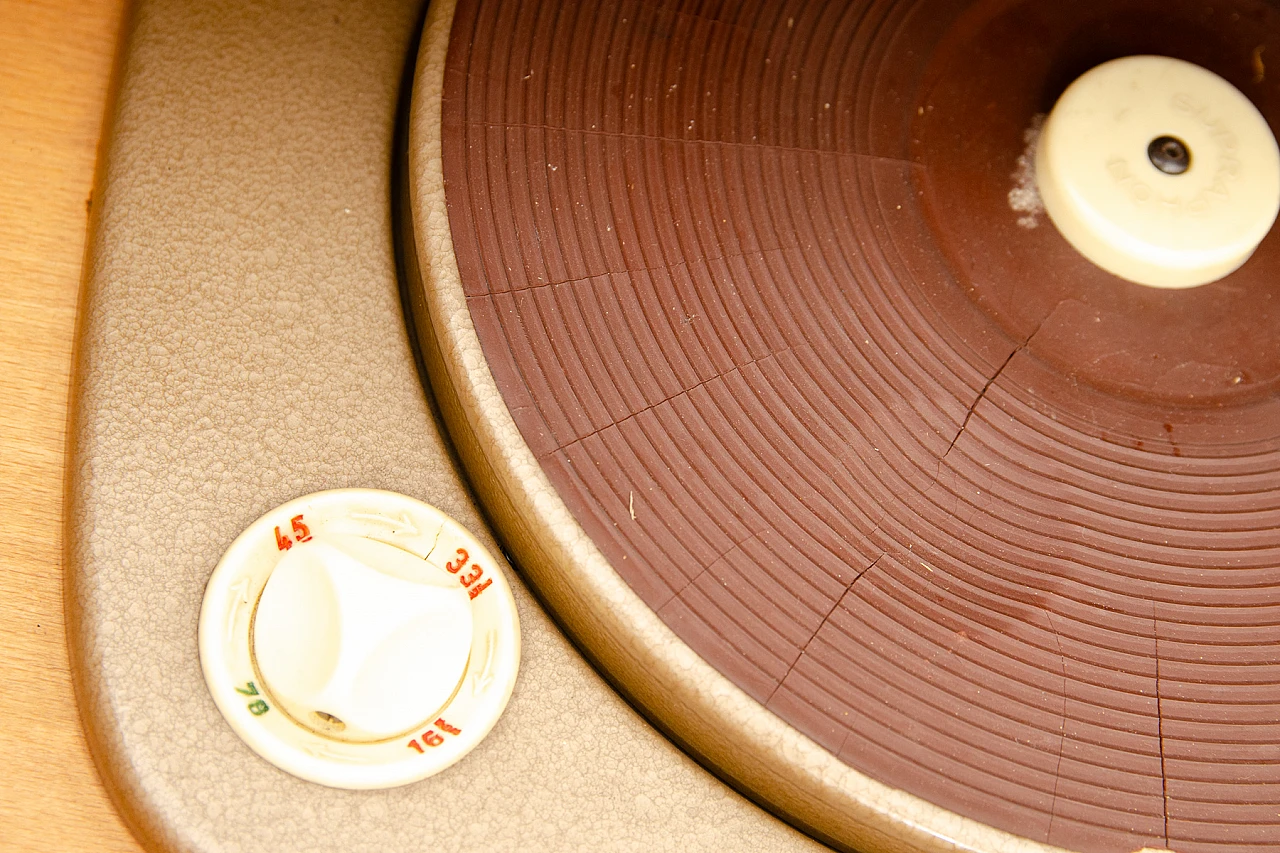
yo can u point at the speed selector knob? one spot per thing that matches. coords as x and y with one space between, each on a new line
359 639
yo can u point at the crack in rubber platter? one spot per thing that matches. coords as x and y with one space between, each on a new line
864 486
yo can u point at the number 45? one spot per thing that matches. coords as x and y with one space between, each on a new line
300 530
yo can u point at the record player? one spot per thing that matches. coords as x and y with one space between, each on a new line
854 485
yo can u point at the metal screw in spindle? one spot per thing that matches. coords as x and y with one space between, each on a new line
1169 154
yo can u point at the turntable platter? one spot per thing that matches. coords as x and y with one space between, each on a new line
860 482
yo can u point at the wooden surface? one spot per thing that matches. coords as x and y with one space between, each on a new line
55 65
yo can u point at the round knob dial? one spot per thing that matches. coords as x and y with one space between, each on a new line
360 640
1159 171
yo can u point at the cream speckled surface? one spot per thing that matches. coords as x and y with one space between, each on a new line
242 343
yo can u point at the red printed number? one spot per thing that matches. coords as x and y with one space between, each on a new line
431 738
458 563
300 531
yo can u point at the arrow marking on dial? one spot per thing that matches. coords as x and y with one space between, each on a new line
482 679
239 600
403 524
324 751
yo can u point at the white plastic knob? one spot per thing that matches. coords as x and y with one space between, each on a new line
1102 190
358 639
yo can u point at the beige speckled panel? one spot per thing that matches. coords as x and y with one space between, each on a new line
242 344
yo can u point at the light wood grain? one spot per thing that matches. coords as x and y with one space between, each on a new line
55 66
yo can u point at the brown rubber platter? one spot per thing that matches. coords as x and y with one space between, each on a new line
986 530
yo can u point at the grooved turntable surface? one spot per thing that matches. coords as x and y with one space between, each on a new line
990 525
